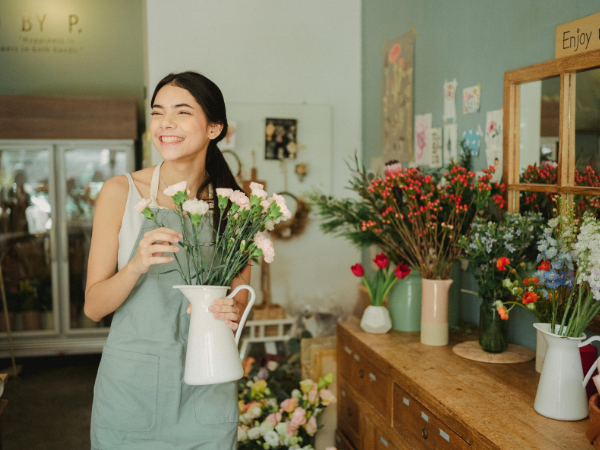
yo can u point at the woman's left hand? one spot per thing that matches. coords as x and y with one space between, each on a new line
224 309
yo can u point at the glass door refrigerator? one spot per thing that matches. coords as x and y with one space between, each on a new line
48 193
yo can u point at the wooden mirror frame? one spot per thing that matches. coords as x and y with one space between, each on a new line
567 69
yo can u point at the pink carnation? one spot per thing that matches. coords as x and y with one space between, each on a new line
258 190
223 192
175 188
266 246
282 206
240 199
313 396
142 205
274 418
298 418
311 426
265 204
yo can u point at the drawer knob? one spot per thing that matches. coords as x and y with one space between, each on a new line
361 373
349 411
424 433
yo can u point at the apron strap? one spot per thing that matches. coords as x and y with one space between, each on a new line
154 186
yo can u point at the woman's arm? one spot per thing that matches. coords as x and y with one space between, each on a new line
106 289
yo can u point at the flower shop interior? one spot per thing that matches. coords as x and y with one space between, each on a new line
438 282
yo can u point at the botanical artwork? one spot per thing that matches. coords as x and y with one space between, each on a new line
472 140
281 139
436 148
422 139
397 99
450 143
471 99
450 100
493 141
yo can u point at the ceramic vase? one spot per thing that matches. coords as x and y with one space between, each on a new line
493 331
434 312
212 354
404 303
376 319
540 350
560 394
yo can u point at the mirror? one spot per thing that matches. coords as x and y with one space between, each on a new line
587 120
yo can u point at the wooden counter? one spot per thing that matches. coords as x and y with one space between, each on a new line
395 393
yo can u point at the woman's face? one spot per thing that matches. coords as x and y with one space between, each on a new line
179 128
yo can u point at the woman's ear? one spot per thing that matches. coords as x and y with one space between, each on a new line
214 130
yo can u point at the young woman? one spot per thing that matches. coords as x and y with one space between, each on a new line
140 399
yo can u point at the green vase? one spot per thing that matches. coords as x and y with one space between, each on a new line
454 296
404 303
493 331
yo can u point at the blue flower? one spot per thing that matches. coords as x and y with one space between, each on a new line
519 232
508 236
554 284
552 275
557 264
545 293
543 246
550 253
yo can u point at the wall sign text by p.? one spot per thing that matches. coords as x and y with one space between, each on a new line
579 36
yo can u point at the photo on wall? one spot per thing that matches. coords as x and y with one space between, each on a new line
280 138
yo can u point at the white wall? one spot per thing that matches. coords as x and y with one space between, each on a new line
287 52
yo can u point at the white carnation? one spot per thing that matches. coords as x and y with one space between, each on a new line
272 438
254 433
195 206
265 427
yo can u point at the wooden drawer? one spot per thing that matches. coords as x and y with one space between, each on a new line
370 382
341 443
382 441
420 427
348 414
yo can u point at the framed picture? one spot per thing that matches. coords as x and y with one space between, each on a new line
280 138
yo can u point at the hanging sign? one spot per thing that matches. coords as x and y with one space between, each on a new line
579 36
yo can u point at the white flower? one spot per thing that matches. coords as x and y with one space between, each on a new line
242 435
265 427
223 192
272 365
281 428
255 412
272 438
269 225
142 205
296 394
266 246
258 190
282 207
175 188
254 433
195 206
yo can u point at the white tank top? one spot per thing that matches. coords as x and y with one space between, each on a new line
132 220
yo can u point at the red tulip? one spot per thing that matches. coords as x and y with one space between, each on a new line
381 260
357 269
501 263
402 271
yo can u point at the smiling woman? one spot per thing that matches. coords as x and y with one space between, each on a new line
148 336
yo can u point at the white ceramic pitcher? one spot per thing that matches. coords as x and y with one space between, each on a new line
561 391
212 353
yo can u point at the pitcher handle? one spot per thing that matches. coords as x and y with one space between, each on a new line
586 380
246 311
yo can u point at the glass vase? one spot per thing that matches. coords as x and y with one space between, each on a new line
493 331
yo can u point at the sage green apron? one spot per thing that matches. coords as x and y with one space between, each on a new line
140 399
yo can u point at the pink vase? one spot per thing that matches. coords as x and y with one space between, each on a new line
434 312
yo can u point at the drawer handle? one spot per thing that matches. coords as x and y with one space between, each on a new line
444 435
424 433
424 417
383 441
349 411
361 373
348 350
372 377
356 357
406 401
343 393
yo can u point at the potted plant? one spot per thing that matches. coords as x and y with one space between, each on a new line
209 267
489 245
376 318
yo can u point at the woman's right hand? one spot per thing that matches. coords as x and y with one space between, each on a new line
152 247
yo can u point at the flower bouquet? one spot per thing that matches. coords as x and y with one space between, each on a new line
268 423
212 261
376 318
490 244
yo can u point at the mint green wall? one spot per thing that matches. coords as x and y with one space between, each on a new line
474 41
108 59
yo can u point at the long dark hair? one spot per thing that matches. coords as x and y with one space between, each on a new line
209 97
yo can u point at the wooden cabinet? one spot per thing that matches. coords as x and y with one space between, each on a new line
396 394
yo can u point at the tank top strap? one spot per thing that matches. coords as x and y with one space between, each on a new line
154 186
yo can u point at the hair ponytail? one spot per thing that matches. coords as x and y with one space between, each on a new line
210 98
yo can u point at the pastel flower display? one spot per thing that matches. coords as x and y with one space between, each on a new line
265 246
240 199
224 192
291 424
258 190
142 205
172 190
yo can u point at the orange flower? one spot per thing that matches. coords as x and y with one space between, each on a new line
530 297
501 263
503 313
545 266
531 281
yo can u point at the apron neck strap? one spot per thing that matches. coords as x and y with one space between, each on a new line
154 186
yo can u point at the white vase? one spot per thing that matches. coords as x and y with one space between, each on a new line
561 394
212 355
540 351
434 312
376 319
